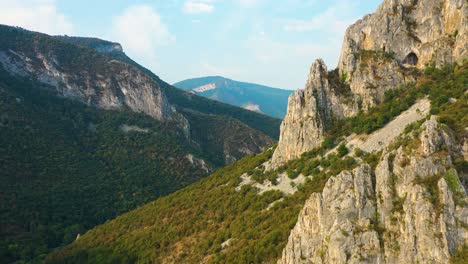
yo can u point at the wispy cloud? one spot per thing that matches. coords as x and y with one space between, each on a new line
336 19
141 31
266 50
197 7
249 3
37 15
209 69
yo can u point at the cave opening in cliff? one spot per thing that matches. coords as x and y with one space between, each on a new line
411 59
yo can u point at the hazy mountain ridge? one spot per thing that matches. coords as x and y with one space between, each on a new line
254 97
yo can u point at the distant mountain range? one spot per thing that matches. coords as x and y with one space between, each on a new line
255 97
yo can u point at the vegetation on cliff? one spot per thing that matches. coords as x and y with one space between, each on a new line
210 221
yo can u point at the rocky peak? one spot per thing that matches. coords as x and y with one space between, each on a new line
432 31
379 53
307 116
311 112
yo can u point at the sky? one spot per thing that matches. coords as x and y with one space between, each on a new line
270 42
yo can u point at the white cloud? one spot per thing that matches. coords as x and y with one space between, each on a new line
336 19
326 20
268 51
196 7
36 15
141 31
208 69
249 3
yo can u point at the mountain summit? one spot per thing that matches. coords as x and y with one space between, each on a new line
380 52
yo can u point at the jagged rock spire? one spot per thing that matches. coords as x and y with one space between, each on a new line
305 121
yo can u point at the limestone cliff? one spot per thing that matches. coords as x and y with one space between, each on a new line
379 53
411 209
113 86
310 113
380 49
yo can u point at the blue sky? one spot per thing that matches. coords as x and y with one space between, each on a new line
271 42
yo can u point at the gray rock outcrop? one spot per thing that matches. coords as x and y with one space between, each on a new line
380 52
310 113
117 86
327 228
411 209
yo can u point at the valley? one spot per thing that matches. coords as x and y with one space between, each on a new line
73 157
104 162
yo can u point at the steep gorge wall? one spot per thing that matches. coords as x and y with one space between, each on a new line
380 52
112 86
410 209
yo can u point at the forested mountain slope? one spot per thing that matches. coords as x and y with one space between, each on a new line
86 138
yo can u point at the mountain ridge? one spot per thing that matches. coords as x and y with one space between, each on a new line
251 96
232 222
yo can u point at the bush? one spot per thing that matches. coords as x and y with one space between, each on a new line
328 142
342 150
358 152
292 174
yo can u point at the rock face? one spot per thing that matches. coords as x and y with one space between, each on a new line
325 231
379 53
378 49
406 213
310 113
114 87
111 48
411 207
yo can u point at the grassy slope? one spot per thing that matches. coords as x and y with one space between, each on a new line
190 225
